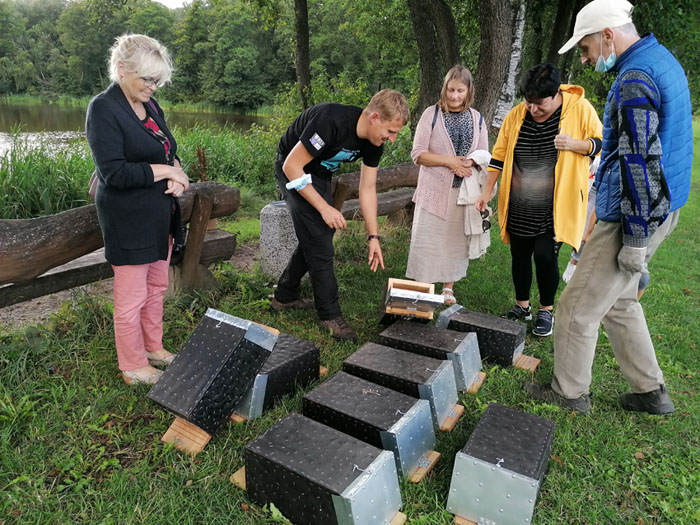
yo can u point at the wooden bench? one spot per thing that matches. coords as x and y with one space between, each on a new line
53 253
395 187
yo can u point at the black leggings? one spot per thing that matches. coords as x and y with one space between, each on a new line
546 252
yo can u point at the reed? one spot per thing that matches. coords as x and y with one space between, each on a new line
38 100
43 179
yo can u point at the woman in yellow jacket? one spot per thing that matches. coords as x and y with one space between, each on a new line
543 152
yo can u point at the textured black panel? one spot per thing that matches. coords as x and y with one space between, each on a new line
498 338
293 363
299 464
392 368
214 369
421 339
357 407
521 440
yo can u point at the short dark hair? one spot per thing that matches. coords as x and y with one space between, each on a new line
540 82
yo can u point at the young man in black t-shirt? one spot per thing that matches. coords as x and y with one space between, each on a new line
316 143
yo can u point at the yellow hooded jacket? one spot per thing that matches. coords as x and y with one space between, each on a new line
580 121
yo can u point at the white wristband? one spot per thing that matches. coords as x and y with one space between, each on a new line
300 183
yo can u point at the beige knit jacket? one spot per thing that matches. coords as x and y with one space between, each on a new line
434 183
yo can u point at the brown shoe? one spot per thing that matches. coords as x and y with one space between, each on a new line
297 304
339 329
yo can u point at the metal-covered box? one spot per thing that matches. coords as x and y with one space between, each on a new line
377 415
293 363
411 374
498 474
462 349
214 369
500 340
316 475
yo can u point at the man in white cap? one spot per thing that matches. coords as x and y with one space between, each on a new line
642 182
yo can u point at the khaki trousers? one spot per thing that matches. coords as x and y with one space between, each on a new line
600 292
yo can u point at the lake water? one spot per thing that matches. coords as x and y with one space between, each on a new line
62 124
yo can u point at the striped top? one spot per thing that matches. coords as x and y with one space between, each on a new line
532 186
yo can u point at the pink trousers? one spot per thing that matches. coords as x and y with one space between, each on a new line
138 311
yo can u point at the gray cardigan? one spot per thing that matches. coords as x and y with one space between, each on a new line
134 212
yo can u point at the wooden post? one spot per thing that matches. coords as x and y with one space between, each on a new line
201 213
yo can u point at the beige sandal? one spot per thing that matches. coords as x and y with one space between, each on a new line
448 296
159 361
132 377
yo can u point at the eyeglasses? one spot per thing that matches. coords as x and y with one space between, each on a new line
485 223
151 82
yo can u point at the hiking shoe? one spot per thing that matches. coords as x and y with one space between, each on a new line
518 313
544 323
339 329
545 394
654 402
296 304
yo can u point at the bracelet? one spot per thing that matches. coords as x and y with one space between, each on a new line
370 237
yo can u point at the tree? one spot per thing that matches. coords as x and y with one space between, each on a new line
435 31
189 50
302 57
507 95
492 68
152 19
87 31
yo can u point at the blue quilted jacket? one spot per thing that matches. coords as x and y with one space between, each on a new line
675 126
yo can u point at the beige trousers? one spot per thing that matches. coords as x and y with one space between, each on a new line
600 292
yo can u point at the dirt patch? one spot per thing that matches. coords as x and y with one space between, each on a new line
245 256
40 309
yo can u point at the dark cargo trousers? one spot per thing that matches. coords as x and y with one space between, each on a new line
314 254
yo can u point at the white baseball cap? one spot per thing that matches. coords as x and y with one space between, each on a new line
596 16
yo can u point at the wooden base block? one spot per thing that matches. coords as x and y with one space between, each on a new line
413 313
237 418
476 385
449 424
526 362
429 460
415 286
398 519
186 436
238 478
459 520
323 371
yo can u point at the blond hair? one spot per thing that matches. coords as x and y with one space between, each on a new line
390 105
142 55
463 75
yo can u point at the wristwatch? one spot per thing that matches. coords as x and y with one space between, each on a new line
370 237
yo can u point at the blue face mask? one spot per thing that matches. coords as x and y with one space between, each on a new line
605 64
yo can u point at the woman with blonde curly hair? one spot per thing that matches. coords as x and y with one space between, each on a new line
139 181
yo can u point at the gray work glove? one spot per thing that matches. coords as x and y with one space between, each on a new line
632 259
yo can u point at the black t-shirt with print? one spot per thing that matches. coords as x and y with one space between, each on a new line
328 131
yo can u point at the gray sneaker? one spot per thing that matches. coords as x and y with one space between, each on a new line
545 394
339 329
518 313
655 402
544 325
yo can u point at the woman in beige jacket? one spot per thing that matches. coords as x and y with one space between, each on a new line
446 135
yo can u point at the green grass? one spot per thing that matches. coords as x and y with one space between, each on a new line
37 100
79 446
